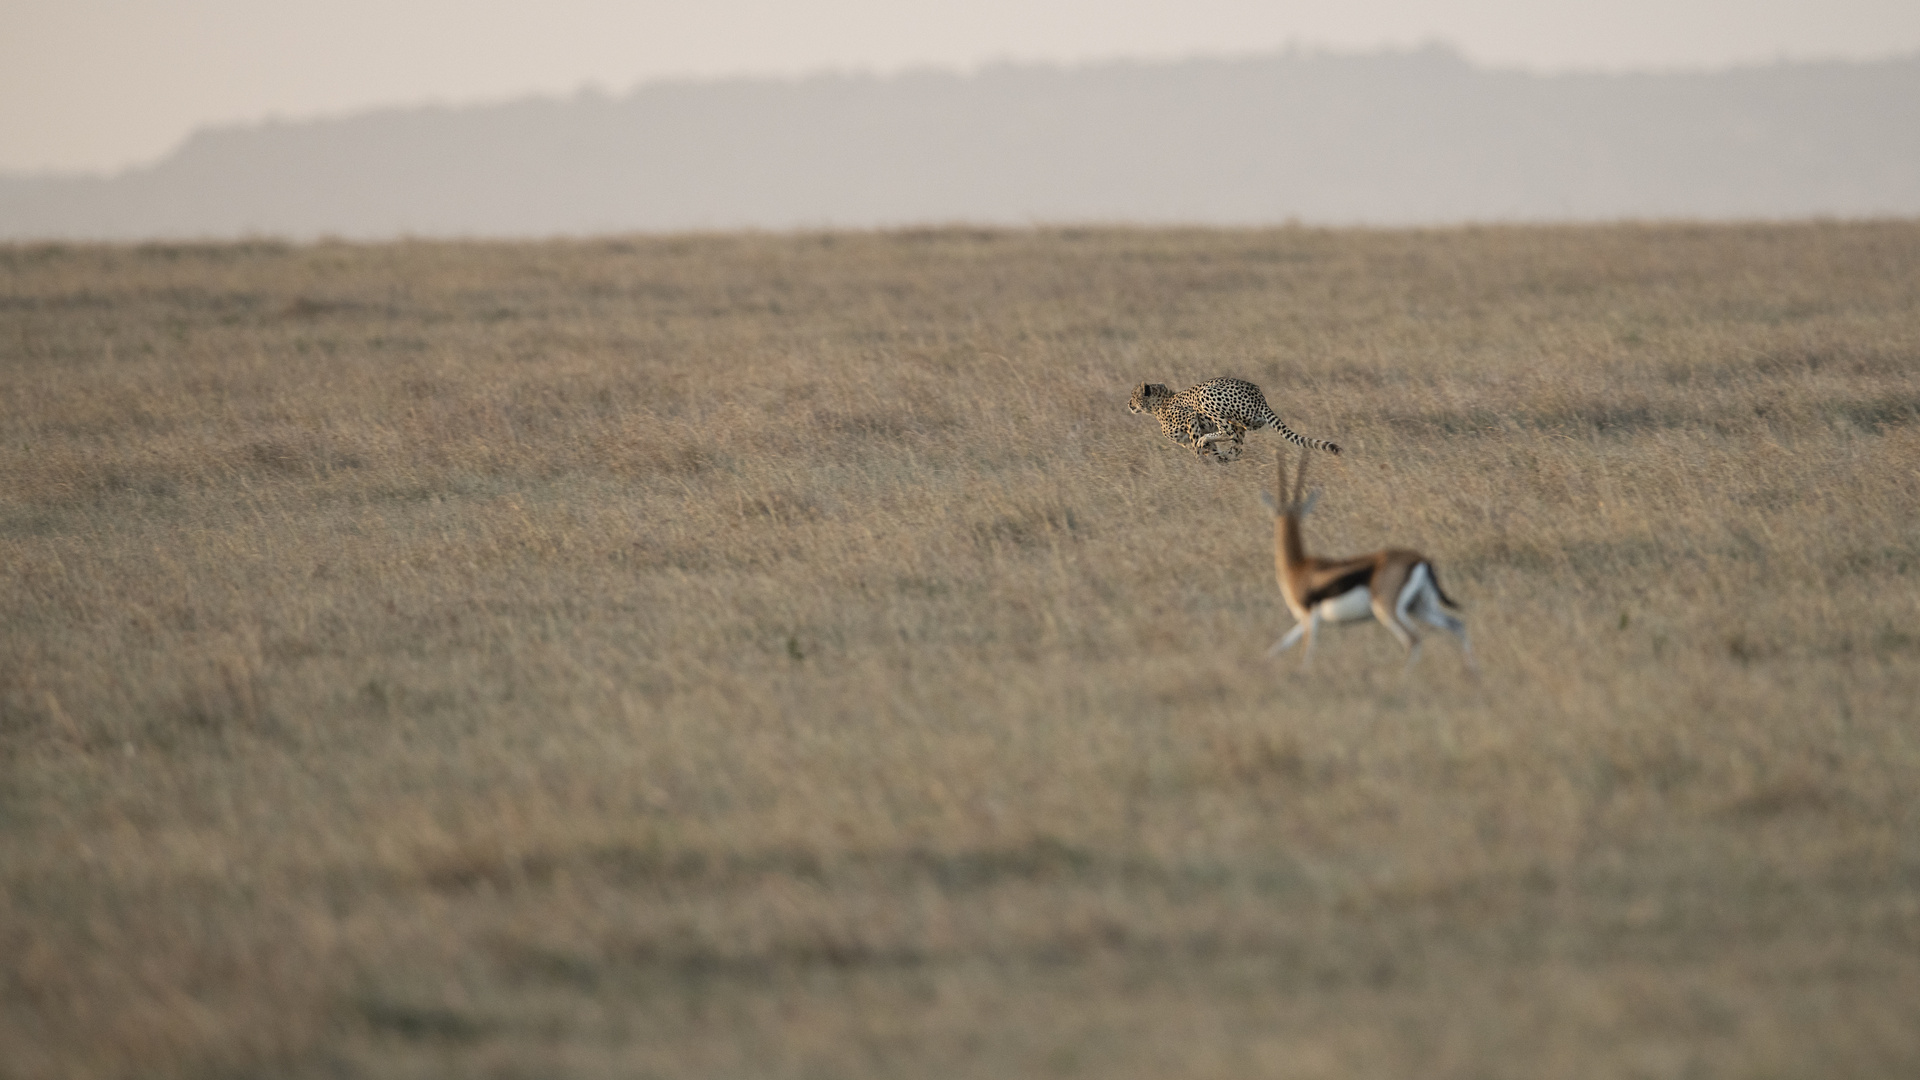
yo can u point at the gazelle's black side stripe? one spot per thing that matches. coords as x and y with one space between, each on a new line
1340 586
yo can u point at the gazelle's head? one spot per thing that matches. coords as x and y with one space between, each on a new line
1147 396
1294 503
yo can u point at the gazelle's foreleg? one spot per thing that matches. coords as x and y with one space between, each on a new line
1313 631
1287 641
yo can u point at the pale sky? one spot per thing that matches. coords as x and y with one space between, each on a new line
105 84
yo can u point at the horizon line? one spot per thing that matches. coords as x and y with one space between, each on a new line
594 90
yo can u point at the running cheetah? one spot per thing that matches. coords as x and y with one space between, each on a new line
1212 418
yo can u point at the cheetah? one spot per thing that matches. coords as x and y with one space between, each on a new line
1212 418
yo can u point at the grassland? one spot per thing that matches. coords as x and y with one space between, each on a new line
782 656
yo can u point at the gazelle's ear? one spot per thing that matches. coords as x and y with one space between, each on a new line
1267 497
1312 497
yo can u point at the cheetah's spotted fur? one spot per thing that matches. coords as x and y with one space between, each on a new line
1212 418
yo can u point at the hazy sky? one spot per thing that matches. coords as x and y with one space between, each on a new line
102 84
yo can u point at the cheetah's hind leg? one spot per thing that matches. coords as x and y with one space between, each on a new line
1202 433
1225 445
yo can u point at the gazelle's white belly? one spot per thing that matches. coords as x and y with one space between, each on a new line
1355 603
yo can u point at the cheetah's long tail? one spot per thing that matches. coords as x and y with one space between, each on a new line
1294 437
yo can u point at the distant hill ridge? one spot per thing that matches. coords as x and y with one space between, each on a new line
1391 138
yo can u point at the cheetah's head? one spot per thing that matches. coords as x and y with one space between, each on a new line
1147 396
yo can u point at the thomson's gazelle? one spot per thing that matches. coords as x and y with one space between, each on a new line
1395 586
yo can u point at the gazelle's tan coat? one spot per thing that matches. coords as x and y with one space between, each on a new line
1395 585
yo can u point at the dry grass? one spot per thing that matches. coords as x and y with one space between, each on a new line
768 656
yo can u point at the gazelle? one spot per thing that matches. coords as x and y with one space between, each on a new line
1394 585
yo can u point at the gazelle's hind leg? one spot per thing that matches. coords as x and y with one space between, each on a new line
1424 602
1434 615
1390 606
1396 621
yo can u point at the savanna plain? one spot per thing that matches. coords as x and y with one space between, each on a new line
784 656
